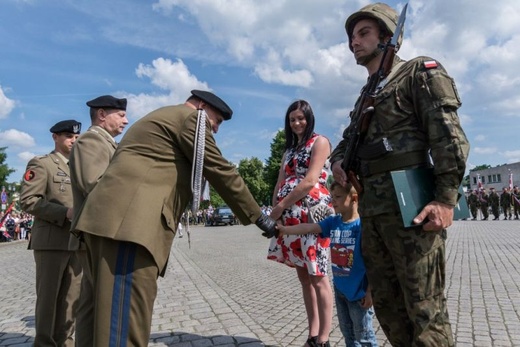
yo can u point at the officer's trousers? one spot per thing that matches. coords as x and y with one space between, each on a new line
124 279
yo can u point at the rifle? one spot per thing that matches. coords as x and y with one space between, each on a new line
360 120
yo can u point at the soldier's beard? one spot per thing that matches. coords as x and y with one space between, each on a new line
365 59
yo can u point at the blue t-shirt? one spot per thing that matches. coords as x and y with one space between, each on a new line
348 268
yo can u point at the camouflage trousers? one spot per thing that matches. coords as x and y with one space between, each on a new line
406 270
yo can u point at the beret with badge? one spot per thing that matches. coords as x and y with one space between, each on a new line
66 126
214 101
108 102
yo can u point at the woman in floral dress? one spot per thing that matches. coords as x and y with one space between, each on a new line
302 184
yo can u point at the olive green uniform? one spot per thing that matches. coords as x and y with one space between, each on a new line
494 201
89 159
129 219
46 194
483 199
415 115
505 202
473 204
515 200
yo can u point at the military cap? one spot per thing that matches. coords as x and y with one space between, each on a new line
66 126
214 101
108 102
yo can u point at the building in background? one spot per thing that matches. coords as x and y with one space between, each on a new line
496 177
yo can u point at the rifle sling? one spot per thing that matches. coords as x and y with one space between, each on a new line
393 162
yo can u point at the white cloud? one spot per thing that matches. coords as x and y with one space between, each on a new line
480 137
6 104
173 77
16 138
26 156
485 150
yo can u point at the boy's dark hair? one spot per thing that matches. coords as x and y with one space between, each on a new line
349 188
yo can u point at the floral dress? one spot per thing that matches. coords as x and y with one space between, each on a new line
310 251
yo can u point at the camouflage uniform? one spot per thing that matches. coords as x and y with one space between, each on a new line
474 204
515 200
415 113
483 198
505 202
494 201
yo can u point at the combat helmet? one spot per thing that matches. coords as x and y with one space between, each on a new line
386 16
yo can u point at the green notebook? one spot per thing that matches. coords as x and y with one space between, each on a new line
414 189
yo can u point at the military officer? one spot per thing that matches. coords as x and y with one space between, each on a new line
89 159
415 115
505 202
494 202
47 195
133 211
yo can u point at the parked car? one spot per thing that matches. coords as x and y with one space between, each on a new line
222 215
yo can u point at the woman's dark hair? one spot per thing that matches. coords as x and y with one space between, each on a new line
291 140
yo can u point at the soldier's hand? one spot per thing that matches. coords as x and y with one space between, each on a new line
439 216
267 225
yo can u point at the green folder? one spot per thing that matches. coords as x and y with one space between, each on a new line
415 189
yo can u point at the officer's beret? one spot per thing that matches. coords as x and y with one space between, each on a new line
108 102
216 102
66 126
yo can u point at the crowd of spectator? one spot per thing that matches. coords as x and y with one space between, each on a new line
15 226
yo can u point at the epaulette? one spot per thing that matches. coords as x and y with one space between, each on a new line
41 156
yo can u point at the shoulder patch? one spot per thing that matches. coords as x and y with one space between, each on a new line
29 175
430 64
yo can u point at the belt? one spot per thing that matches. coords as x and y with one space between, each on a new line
393 162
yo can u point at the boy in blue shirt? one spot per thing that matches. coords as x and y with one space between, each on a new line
351 289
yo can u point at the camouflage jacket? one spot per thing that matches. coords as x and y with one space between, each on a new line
416 116
494 199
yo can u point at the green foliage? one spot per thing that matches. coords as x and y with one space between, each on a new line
5 171
251 170
480 167
273 164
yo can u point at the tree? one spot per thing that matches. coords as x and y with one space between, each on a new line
251 170
5 170
272 167
480 167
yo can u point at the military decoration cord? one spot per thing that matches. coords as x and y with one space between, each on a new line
198 160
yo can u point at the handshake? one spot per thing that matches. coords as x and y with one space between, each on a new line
267 225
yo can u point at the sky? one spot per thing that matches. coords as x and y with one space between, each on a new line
259 56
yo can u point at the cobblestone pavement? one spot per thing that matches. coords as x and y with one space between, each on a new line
223 292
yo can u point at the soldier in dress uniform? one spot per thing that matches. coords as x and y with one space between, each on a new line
46 194
130 217
88 161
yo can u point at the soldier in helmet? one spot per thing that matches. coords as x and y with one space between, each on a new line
483 198
415 114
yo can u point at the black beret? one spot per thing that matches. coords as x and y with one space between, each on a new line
109 102
66 126
216 102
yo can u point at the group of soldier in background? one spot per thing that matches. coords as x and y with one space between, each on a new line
508 202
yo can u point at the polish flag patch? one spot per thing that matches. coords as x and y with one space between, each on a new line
430 64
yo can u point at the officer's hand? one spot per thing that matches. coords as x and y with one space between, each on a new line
267 225
439 216
339 174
